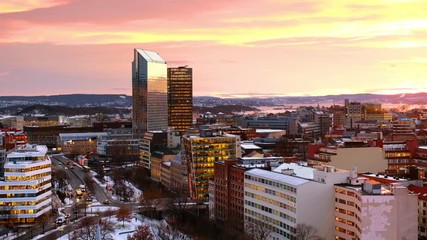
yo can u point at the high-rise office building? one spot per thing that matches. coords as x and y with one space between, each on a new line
180 98
149 92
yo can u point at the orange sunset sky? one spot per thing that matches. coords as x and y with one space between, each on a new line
235 47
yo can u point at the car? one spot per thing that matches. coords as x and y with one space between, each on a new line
60 163
106 201
60 220
72 167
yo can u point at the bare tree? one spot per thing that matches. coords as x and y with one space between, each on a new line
142 232
87 229
257 230
89 183
124 214
60 176
306 232
167 232
177 203
123 190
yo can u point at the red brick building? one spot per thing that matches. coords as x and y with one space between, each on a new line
229 193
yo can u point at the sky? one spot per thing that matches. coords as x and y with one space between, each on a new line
236 48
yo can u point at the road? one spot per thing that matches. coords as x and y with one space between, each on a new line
76 177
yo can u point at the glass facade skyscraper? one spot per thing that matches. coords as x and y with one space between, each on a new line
149 93
180 98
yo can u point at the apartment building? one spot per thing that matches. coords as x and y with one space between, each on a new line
367 209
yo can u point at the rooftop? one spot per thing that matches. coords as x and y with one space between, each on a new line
278 177
150 56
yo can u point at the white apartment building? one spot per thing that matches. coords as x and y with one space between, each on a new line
289 195
366 210
25 192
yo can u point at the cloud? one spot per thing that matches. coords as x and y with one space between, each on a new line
4 73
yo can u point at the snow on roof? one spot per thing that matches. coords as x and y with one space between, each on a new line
278 177
300 171
269 130
249 146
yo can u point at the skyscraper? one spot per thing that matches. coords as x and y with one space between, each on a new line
180 98
149 92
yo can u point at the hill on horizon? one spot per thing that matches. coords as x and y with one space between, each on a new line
125 101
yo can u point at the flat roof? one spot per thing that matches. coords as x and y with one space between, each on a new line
279 177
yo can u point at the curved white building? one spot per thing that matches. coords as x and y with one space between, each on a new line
25 192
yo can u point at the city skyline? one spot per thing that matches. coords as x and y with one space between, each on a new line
236 48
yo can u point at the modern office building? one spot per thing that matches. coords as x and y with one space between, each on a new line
200 151
180 98
279 201
25 192
367 209
149 93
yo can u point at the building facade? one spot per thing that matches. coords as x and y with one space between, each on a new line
366 209
200 151
180 98
25 192
149 93
276 202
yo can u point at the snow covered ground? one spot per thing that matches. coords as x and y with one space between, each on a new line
110 183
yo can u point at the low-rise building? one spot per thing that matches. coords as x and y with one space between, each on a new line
280 200
367 209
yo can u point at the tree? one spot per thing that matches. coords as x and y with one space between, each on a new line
123 190
89 183
142 232
167 232
60 176
177 203
306 232
124 213
257 230
87 229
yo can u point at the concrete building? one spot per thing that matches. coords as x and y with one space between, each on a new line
149 93
179 173
366 209
200 151
159 157
25 192
291 195
80 143
367 159
165 177
229 191
180 98
422 209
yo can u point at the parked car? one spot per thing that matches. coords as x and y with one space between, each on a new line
106 201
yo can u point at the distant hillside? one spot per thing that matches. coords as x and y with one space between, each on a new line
227 109
61 110
124 101
70 100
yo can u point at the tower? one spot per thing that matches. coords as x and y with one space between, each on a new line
180 98
149 93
